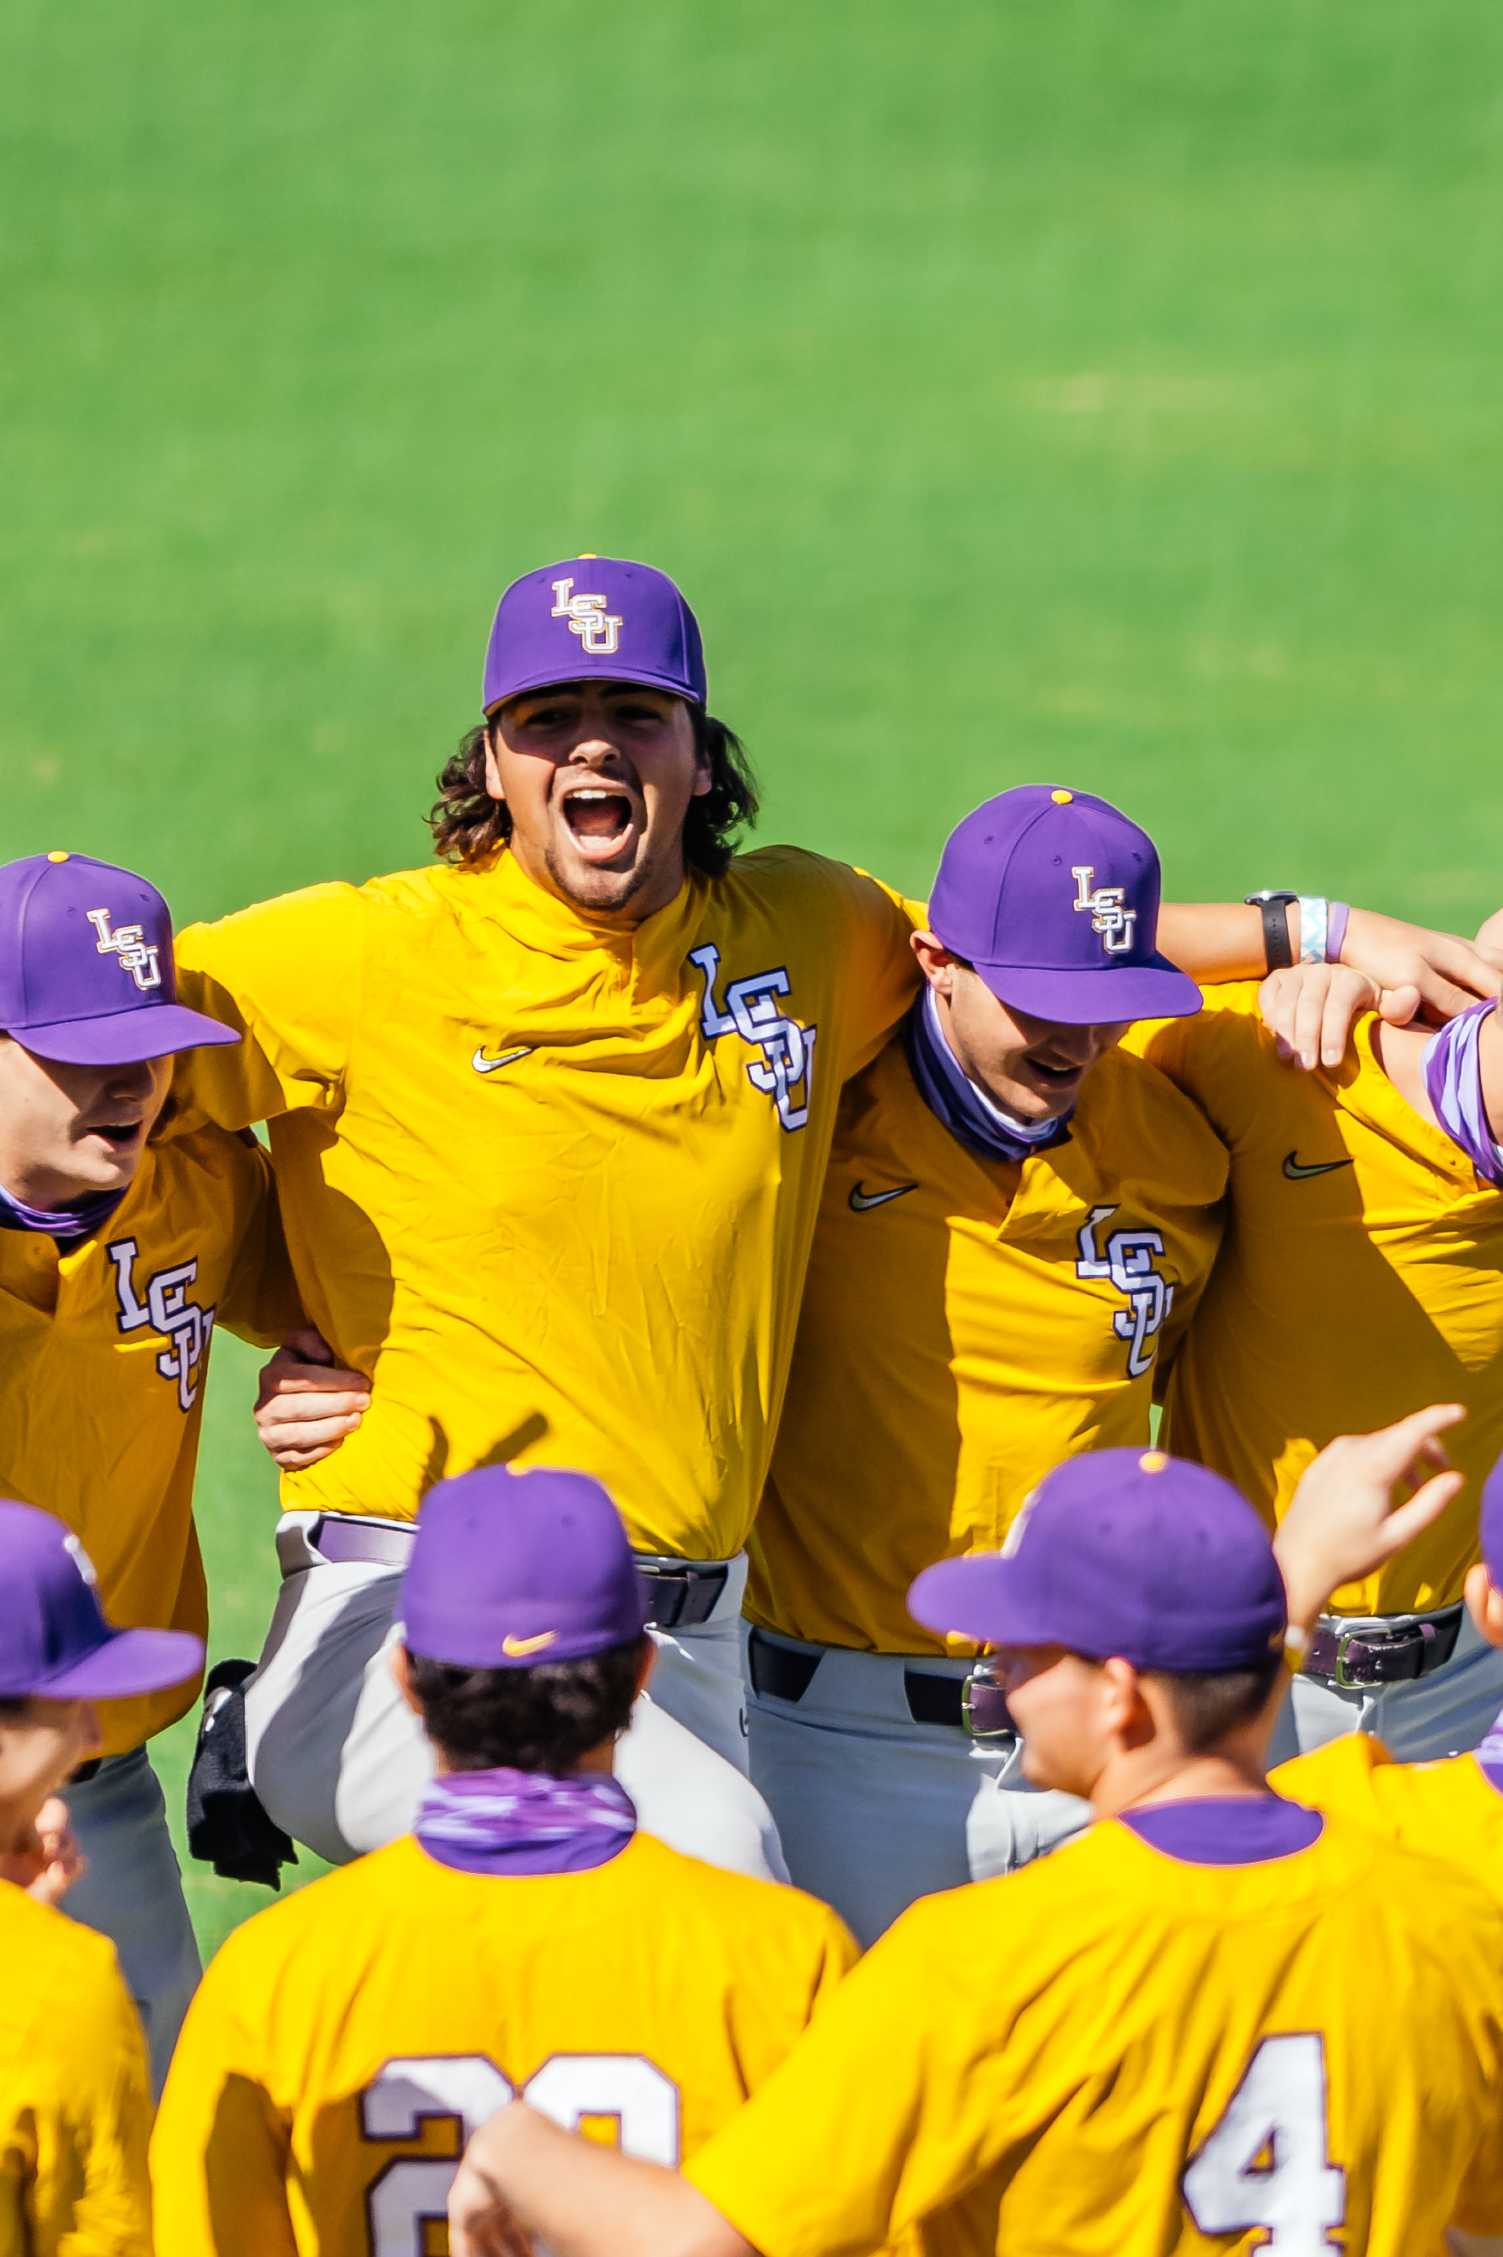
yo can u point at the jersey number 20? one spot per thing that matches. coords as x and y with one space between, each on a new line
1267 2164
466 2088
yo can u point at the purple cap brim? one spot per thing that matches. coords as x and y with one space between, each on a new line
129 1662
125 1038
1086 998
978 1598
551 679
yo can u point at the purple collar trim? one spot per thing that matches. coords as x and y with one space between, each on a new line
972 1118
65 1223
1226 1829
507 1822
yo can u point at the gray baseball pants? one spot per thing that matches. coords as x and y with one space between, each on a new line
339 1760
875 1809
133 1893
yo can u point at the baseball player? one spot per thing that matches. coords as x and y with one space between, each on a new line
74 2104
550 1122
1016 1222
119 1253
1361 1275
1454 1807
528 1939
1161 2039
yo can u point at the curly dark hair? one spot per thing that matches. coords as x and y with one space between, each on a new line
539 1719
468 825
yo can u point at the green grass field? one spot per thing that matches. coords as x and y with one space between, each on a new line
1104 391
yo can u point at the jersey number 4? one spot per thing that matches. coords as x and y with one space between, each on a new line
1267 2165
613 2090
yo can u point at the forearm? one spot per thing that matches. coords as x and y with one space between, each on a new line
1218 940
581 2199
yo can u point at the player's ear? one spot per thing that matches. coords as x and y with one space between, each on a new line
1485 1604
492 764
401 1670
646 1663
934 961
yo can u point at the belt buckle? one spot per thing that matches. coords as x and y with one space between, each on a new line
1345 1640
1000 1732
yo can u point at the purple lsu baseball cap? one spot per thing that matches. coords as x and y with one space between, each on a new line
1122 1552
1053 896
86 970
54 1641
512 1569
593 616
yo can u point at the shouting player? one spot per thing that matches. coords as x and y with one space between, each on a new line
527 1940
550 1123
119 1253
74 2104
1017 1220
1361 1276
1161 2039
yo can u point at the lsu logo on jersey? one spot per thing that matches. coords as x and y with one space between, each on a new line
785 1070
1127 1258
166 1309
599 630
133 953
1104 906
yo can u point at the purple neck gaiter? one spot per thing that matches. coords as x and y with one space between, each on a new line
507 1821
1453 1083
972 1118
62 1223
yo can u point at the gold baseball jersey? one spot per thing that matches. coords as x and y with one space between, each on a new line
551 1182
104 1344
1361 1277
967 1323
1118 2054
75 2109
1451 1809
345 2043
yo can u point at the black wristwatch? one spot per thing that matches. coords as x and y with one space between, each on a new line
1277 946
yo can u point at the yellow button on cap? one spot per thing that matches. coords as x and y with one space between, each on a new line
1152 1461
57 855
1061 798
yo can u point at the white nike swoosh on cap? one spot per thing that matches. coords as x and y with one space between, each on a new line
484 1065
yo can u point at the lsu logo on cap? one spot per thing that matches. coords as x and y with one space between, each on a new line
1103 904
599 630
132 952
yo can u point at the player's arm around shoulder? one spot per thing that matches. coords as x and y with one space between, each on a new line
289 976
860 927
220 2144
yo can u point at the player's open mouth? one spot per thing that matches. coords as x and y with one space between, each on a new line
1056 1076
602 820
118 1133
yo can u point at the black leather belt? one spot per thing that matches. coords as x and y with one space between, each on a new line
684 1593
787 1676
1382 1657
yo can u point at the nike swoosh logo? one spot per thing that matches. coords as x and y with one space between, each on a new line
861 1200
515 1648
484 1065
1295 1168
